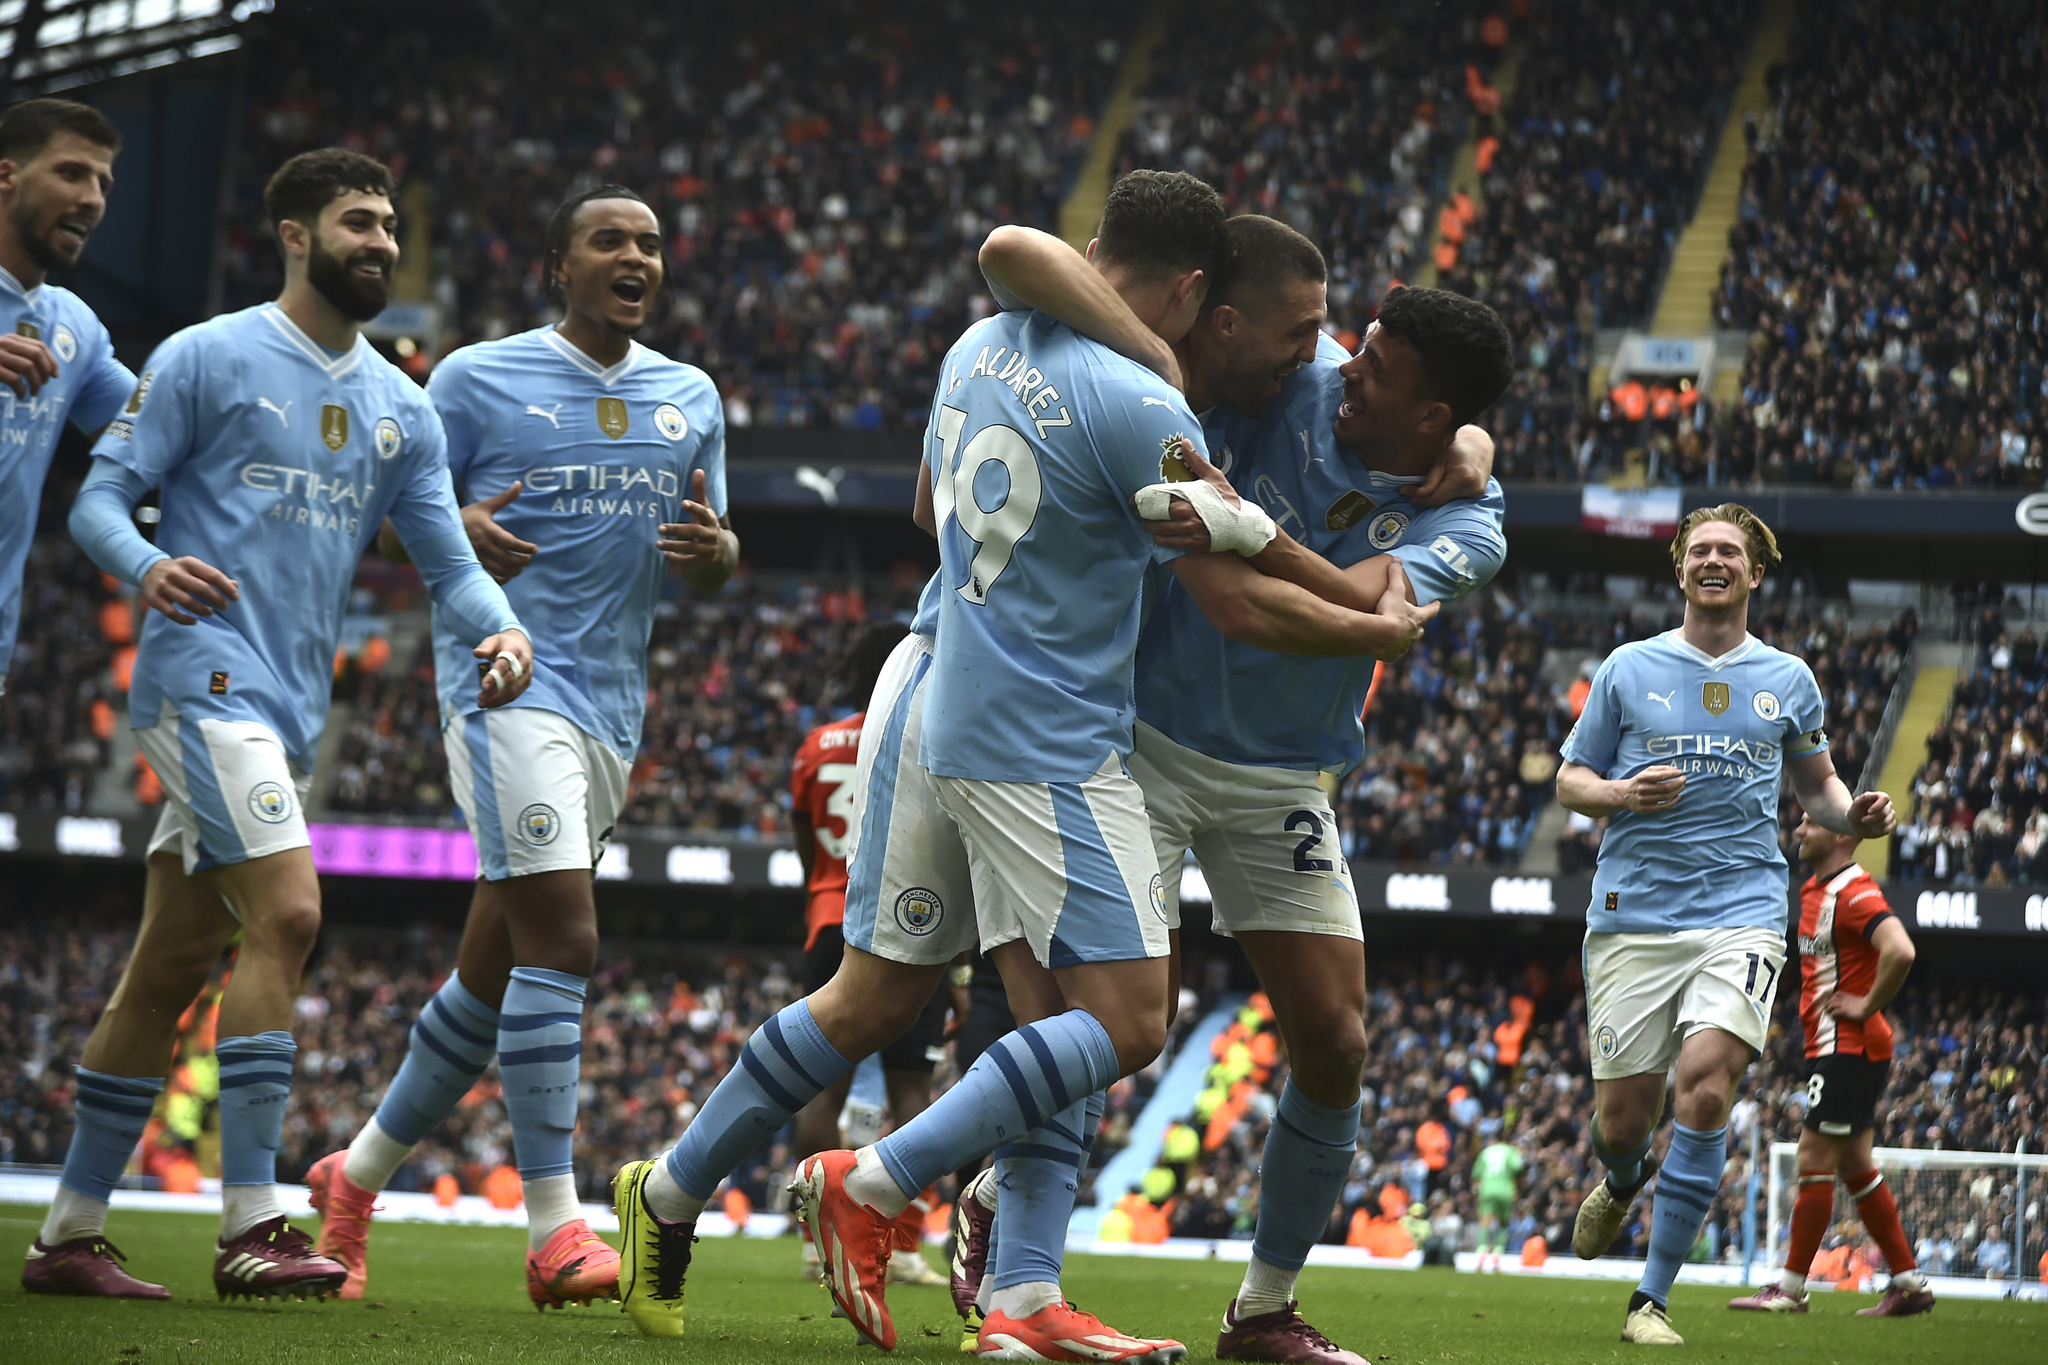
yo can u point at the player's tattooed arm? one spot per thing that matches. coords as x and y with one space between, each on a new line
1827 801
1650 792
1039 271
1254 609
1362 587
704 548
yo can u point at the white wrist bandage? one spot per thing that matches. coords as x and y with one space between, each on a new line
1244 528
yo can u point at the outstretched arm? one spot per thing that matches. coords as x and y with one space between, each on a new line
1037 270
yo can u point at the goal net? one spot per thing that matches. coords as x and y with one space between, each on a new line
1980 1217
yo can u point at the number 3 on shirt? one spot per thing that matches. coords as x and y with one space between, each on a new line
995 530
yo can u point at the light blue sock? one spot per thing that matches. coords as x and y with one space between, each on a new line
112 1112
1686 1186
1625 1169
453 1040
1038 1178
540 1057
784 1066
255 1083
1308 1157
1091 1124
1025 1076
870 1082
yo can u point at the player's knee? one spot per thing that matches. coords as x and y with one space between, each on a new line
1138 1041
1331 1051
289 925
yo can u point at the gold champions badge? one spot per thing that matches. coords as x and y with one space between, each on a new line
334 425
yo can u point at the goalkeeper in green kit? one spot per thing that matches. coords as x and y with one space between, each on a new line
1498 1173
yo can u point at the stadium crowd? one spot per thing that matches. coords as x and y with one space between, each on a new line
824 184
1889 255
1589 175
57 714
1460 1051
1312 113
1460 1056
1980 804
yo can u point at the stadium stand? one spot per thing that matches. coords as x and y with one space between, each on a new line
1979 809
1459 1054
1341 126
825 189
57 719
1594 172
1459 1050
1888 253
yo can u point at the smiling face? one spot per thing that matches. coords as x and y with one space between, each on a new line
57 197
1254 348
1820 849
351 252
1385 403
612 268
1715 571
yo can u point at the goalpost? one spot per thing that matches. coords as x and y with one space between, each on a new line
1952 1203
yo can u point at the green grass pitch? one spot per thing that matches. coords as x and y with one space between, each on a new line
448 1294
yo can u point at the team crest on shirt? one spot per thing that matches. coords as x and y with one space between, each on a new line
64 344
1765 704
270 802
538 824
1385 531
29 330
919 911
1347 511
669 421
1714 696
388 437
334 425
1607 1042
611 417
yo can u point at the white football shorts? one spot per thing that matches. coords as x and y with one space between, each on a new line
1647 993
1066 866
230 792
1266 840
909 897
540 793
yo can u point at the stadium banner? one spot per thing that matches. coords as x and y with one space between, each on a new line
1631 513
713 858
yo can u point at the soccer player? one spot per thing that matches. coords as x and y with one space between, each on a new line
1854 954
280 440
822 817
1232 740
1055 440
603 461
1498 1173
1682 745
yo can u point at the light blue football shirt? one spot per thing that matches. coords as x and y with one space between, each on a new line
89 389
605 456
1712 861
1243 704
278 461
1039 438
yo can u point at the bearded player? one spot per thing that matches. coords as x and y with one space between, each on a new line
1232 740
281 440
603 462
1854 954
1681 747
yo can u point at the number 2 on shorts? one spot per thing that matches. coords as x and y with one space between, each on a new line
1302 862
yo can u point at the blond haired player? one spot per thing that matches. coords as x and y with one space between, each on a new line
1682 746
